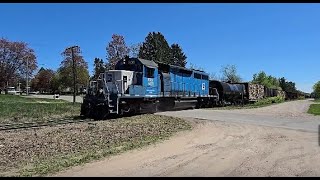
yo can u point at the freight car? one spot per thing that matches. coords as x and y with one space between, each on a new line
137 86
252 92
229 94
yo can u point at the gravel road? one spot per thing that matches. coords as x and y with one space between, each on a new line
291 115
245 142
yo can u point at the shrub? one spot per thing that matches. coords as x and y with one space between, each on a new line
269 100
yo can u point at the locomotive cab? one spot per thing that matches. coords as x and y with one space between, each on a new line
118 81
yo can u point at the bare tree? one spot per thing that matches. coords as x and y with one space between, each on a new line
16 59
66 69
134 50
214 76
229 73
196 67
116 50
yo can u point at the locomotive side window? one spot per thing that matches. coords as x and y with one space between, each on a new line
197 76
138 67
205 77
137 79
150 72
109 78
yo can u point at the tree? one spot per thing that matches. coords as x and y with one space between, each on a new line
282 83
268 81
178 58
213 76
42 80
195 67
13 62
134 50
66 72
55 84
287 86
155 48
116 50
316 89
98 67
229 73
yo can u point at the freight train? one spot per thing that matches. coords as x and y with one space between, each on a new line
141 86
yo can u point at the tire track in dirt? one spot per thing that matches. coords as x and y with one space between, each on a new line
215 148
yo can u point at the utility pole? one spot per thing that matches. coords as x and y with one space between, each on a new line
74 75
27 90
73 50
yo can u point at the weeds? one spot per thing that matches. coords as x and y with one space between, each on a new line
15 109
37 152
314 109
269 100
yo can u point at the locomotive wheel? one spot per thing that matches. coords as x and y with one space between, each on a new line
86 110
223 103
100 113
154 107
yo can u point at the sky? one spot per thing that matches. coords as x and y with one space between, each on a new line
281 39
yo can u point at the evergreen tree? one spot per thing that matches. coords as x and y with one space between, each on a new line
155 48
178 58
99 67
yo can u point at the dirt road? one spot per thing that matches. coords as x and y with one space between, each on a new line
290 115
221 148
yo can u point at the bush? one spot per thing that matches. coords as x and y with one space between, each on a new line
314 109
269 100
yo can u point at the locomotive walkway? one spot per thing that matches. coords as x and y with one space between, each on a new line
244 142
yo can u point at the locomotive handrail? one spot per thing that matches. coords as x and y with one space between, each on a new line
105 85
117 85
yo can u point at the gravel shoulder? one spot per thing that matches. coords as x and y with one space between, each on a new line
217 149
241 142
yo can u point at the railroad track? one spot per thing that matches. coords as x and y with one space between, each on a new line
24 125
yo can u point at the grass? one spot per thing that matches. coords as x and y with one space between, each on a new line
270 100
316 100
21 109
260 103
51 149
314 109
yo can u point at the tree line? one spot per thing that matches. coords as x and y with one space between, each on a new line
14 56
274 82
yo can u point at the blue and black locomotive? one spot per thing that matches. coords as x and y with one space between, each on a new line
137 86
